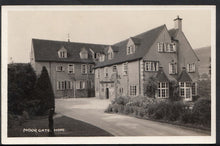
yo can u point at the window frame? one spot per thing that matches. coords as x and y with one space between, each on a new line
172 68
60 70
73 69
125 69
133 90
163 89
151 66
191 68
83 69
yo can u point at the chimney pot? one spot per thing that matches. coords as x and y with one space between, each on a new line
178 23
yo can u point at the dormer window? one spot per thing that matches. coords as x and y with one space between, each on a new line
102 58
130 49
84 54
110 53
62 53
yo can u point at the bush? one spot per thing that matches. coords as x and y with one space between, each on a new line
204 89
150 87
122 100
187 117
202 112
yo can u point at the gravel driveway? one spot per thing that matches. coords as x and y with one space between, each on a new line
91 110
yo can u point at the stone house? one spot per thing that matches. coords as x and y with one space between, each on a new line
127 66
70 65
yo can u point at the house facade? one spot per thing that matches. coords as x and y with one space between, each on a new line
163 54
70 66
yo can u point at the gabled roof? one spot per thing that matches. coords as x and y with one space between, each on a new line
136 41
184 76
147 39
47 50
161 76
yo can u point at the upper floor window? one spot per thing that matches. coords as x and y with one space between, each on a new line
60 68
106 71
172 68
91 70
102 58
130 49
83 68
84 54
191 67
114 68
125 68
163 91
151 66
110 55
96 55
98 73
166 47
70 68
62 54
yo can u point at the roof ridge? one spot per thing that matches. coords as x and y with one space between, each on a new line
67 42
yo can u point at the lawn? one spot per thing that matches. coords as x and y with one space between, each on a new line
63 126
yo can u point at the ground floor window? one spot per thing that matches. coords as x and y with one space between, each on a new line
163 90
133 90
80 84
185 90
64 85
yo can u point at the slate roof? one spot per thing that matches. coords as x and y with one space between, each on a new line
146 41
173 32
184 76
161 76
47 50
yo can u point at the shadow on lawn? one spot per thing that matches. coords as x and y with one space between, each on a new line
63 126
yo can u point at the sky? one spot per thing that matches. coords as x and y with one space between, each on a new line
102 26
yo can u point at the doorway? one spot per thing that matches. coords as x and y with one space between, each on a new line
107 93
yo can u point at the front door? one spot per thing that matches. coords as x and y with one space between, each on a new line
107 93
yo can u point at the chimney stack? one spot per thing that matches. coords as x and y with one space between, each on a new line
178 23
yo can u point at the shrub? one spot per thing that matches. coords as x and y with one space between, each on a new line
202 112
204 89
187 117
122 100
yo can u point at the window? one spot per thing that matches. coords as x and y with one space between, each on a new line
80 84
151 66
60 68
130 49
166 47
102 58
98 73
83 68
133 90
185 90
160 47
191 67
110 55
121 90
97 55
84 54
64 85
71 68
91 70
163 91
62 54
172 68
106 71
125 69
194 89
114 68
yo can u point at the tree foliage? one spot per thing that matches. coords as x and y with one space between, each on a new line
150 87
44 93
21 81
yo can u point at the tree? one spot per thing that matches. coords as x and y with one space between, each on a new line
44 93
21 82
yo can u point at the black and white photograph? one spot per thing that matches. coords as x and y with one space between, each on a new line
108 74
